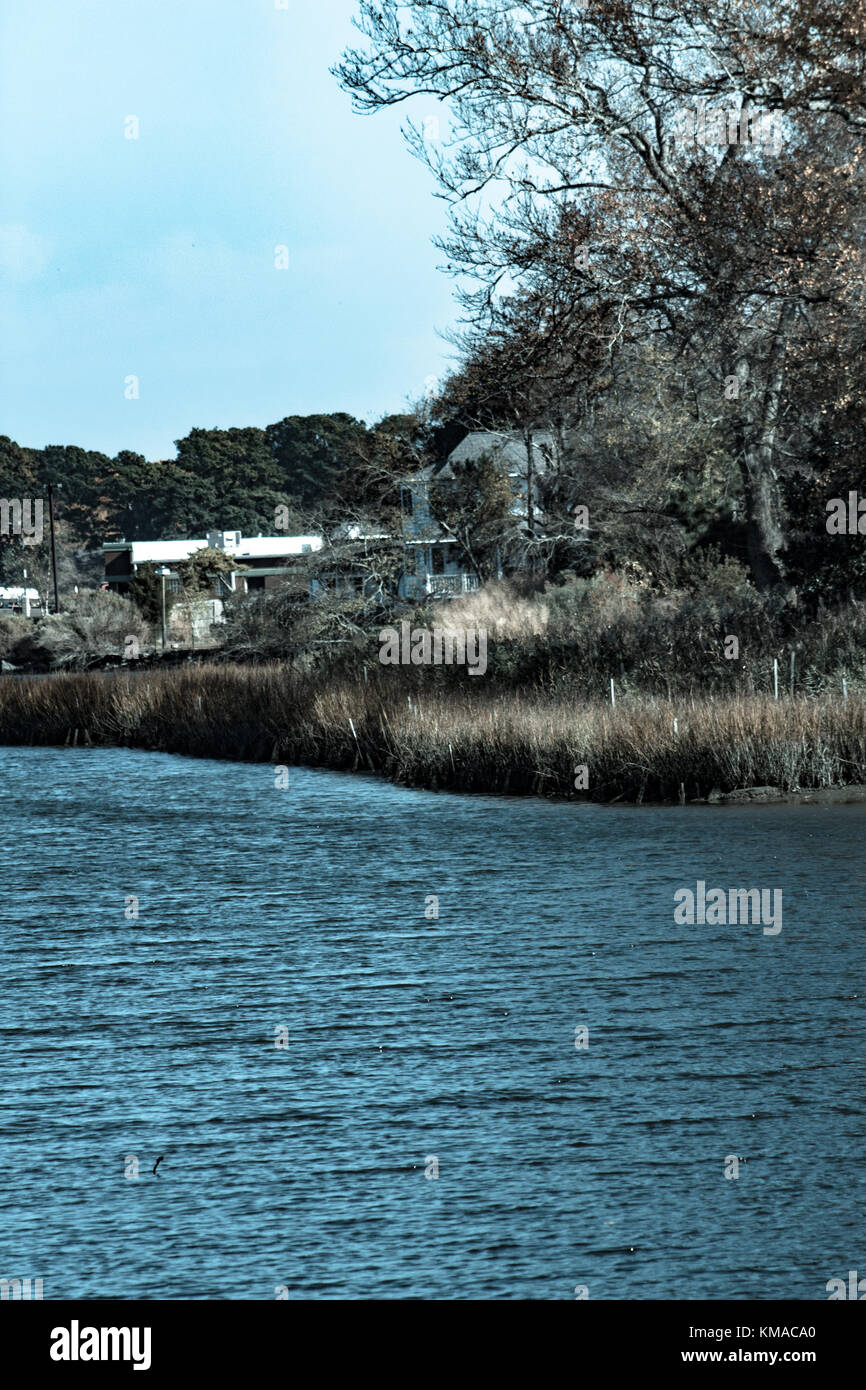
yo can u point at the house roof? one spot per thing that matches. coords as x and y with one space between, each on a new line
252 547
506 446
155 552
248 548
351 531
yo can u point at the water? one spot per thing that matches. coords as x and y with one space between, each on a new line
412 1039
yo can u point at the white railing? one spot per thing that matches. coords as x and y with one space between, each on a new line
447 585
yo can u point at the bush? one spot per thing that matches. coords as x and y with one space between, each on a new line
496 607
12 630
705 570
288 622
98 625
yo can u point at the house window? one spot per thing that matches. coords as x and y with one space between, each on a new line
438 559
406 501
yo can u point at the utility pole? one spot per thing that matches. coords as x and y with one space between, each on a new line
53 547
162 574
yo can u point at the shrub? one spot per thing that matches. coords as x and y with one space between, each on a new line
12 631
497 608
97 625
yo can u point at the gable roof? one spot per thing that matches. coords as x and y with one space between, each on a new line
506 446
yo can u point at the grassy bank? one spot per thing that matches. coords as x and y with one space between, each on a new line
480 739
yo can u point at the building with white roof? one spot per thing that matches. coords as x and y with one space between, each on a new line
19 599
265 560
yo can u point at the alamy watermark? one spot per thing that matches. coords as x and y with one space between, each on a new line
836 1287
20 1289
77 1343
739 906
716 126
846 519
22 516
436 646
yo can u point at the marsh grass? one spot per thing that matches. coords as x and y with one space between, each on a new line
485 740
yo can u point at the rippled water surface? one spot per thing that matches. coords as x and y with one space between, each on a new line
411 1039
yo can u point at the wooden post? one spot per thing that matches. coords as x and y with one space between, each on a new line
844 689
676 728
775 678
612 696
792 675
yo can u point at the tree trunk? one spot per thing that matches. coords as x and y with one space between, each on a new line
530 479
764 534
764 513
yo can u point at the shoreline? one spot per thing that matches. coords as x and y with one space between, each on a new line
851 794
843 795
441 736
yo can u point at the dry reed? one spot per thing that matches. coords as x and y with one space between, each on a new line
484 740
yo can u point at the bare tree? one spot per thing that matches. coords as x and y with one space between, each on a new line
569 146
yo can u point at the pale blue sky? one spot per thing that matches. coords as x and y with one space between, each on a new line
155 257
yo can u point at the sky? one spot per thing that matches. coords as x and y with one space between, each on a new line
141 289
